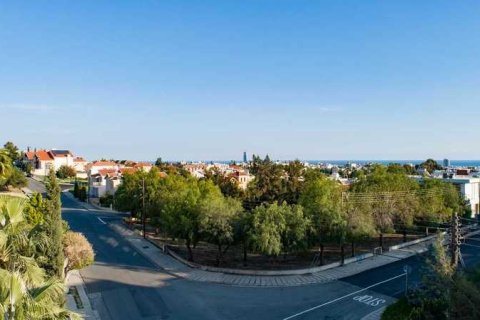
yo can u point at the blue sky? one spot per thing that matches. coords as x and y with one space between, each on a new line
209 79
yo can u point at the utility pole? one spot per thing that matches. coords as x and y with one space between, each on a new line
143 206
455 240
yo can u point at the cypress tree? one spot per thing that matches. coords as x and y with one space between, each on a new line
75 189
54 228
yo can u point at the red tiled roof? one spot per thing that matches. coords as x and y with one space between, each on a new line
79 159
103 164
30 155
104 172
43 155
143 164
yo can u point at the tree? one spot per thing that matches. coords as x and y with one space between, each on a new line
24 293
35 210
228 185
16 179
129 195
75 189
53 228
293 182
77 250
438 200
268 226
430 165
390 196
12 151
267 185
65 172
217 215
6 166
177 202
321 199
294 237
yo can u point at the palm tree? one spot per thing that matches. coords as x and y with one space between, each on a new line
24 293
6 164
19 302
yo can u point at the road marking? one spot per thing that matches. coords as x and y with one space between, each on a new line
100 219
343 297
369 300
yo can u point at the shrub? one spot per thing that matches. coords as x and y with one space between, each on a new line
66 172
82 193
78 251
17 179
400 310
106 201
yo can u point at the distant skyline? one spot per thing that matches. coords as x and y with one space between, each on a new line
190 80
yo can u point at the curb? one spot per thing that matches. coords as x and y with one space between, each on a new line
87 311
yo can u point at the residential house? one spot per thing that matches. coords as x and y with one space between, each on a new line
97 173
43 160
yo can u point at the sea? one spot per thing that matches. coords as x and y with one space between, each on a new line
453 163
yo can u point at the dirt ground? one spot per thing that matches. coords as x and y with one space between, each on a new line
206 253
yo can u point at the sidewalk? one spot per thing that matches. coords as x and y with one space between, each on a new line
77 299
174 267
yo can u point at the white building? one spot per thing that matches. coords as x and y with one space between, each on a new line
469 188
97 173
42 161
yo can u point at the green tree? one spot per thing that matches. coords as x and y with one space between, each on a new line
24 293
217 216
390 196
35 210
293 182
228 185
6 166
134 188
16 179
177 201
321 199
12 151
438 200
65 172
53 228
267 186
294 237
430 165
268 226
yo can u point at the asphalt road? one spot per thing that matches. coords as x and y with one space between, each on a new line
122 284
36 186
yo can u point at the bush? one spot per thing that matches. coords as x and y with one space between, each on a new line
17 179
82 193
65 172
400 310
78 251
106 201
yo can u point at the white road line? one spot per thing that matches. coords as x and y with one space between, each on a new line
343 297
100 219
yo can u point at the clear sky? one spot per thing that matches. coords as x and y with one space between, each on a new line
189 80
